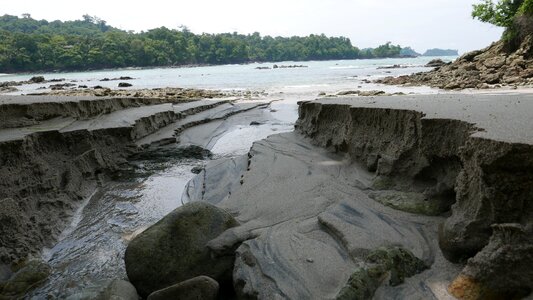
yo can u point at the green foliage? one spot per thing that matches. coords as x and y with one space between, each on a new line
31 45
526 8
516 16
503 12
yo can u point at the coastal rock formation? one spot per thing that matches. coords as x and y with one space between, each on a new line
175 249
453 149
478 69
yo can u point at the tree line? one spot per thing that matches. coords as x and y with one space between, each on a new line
27 44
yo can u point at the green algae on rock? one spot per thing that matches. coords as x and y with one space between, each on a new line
392 264
174 249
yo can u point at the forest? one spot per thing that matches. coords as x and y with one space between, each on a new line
90 43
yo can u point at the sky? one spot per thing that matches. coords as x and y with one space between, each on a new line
421 24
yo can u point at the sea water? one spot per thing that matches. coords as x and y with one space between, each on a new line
314 74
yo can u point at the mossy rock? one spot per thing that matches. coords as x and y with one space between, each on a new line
174 249
411 202
361 285
400 262
27 278
383 183
384 263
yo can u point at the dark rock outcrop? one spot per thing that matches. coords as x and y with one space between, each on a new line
175 249
478 69
381 265
201 287
27 278
435 63
119 290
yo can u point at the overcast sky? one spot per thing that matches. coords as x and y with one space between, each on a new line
421 24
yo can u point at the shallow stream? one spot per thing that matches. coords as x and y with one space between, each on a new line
91 250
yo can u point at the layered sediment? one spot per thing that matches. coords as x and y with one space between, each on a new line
472 150
55 151
487 68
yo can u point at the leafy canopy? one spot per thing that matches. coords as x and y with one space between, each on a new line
503 12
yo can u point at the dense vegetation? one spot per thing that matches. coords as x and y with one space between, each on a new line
516 16
35 45
441 52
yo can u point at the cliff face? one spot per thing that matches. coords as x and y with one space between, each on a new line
478 69
55 151
446 148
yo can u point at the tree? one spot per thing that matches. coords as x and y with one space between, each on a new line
516 16
500 14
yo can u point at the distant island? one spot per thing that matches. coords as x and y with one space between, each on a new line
441 52
29 45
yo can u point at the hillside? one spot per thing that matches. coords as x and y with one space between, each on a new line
38 45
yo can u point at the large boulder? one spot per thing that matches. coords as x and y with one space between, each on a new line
201 287
175 249
119 290
435 63
33 274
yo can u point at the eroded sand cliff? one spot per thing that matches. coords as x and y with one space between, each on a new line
308 216
55 151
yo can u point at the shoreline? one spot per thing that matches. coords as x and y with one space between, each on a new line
200 65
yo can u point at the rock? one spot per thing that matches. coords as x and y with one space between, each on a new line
275 67
174 249
36 79
262 68
201 287
197 170
322 94
411 202
435 63
5 272
194 151
345 93
491 78
255 123
492 65
29 277
61 86
384 264
124 84
119 290
509 253
371 93
392 67
494 62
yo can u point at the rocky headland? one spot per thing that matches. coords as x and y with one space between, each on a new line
491 67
